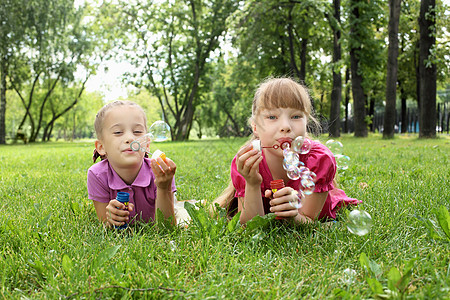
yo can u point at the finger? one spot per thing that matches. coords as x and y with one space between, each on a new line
287 213
244 150
171 164
246 162
130 206
268 193
156 168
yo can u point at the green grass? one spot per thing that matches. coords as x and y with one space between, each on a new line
51 245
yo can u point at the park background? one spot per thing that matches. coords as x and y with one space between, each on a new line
196 64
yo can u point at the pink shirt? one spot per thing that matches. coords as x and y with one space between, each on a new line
321 161
103 184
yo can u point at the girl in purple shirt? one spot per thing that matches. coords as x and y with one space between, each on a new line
280 111
150 183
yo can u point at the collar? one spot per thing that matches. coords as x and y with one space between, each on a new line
143 179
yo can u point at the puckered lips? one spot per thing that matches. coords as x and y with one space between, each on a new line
284 140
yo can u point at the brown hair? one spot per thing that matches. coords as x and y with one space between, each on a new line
98 123
280 92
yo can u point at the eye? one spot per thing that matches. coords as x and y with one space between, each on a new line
117 132
271 117
296 117
138 132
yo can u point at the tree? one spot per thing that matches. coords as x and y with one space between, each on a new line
12 26
172 45
427 69
366 63
392 67
57 42
336 93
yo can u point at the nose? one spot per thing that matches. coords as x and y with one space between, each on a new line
285 125
129 137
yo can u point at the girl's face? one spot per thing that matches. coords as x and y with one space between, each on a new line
121 126
275 125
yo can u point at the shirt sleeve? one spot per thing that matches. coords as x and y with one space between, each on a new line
98 189
322 162
237 179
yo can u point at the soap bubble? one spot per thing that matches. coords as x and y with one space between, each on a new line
296 201
297 143
359 222
308 185
306 146
335 147
348 276
293 172
342 161
160 131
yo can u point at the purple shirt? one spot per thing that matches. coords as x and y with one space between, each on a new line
321 161
104 183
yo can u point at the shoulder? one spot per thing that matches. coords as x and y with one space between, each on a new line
319 155
99 169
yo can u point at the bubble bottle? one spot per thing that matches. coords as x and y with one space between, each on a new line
275 185
124 198
158 132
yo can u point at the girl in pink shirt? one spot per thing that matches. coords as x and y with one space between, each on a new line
280 112
150 183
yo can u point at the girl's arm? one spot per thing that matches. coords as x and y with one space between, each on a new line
247 164
164 171
311 207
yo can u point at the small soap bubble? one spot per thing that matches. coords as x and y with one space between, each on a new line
342 161
291 157
296 201
293 172
306 146
297 143
335 147
173 246
359 222
160 131
348 276
286 146
308 185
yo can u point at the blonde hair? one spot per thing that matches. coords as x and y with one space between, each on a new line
282 92
98 123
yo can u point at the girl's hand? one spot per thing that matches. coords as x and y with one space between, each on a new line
115 213
247 164
164 171
281 202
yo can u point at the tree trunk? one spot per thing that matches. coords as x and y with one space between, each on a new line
347 97
336 93
3 101
404 127
359 98
427 69
392 70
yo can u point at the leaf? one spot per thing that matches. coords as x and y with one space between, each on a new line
431 230
105 255
364 261
406 278
443 218
198 217
375 285
67 264
234 222
375 268
259 222
394 277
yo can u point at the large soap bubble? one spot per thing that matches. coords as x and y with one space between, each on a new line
160 131
335 147
359 222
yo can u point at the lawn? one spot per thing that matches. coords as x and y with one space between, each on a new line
52 246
